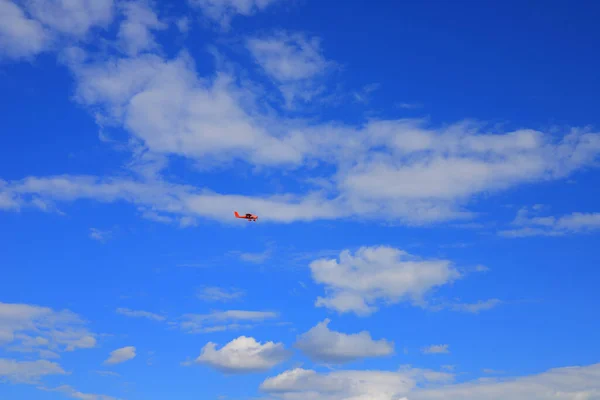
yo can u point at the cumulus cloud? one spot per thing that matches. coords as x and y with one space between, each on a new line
28 372
324 345
31 328
121 355
218 321
356 283
528 222
243 355
140 314
571 383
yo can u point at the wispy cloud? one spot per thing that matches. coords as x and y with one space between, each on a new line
76 394
216 294
294 61
438 168
302 383
409 106
256 258
223 11
491 371
39 25
140 314
363 95
219 321
29 372
32 328
101 236
436 349
416 384
474 308
529 223
107 373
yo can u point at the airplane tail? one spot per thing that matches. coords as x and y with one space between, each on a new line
236 214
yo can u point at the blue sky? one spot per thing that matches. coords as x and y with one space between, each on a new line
425 176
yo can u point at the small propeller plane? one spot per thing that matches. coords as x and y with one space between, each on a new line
249 217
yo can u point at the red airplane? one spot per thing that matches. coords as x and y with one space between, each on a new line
249 217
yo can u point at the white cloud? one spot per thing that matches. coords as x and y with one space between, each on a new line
474 308
357 282
170 111
243 355
435 172
151 96
536 225
219 294
140 314
121 355
107 373
135 32
28 372
30 328
218 321
181 200
41 24
409 106
436 349
363 96
183 24
571 383
419 199
74 18
289 57
99 235
322 344
301 384
20 37
255 258
491 371
223 11
75 394
293 61
8 200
